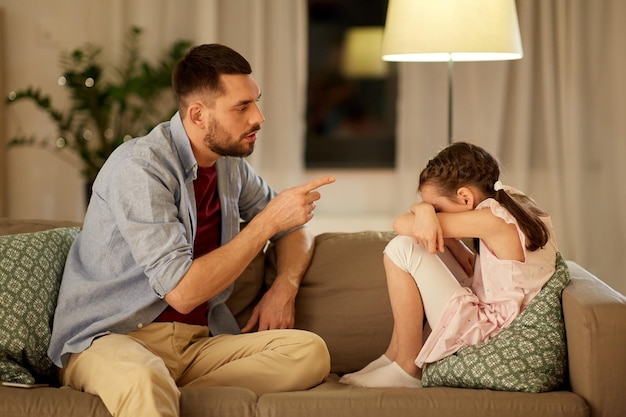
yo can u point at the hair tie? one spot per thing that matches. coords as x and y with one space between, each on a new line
497 186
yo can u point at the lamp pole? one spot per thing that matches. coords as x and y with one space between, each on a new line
450 97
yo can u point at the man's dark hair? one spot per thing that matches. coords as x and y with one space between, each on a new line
201 68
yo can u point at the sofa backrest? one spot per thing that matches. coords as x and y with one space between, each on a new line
13 226
343 297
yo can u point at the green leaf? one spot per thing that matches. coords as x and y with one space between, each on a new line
127 100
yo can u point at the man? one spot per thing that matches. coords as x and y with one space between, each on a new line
146 280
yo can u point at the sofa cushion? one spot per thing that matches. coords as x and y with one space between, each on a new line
529 355
343 297
31 266
333 399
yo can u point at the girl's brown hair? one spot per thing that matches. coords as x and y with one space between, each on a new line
462 164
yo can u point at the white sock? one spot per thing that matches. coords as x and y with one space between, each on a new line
381 361
391 375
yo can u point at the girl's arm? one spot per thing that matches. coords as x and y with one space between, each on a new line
501 237
422 223
430 228
411 224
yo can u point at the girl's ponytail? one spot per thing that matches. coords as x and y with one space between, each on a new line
527 215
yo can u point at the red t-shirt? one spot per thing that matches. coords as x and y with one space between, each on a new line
208 236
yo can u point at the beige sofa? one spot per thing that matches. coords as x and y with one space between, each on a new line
343 298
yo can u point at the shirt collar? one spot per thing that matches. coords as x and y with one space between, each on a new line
183 147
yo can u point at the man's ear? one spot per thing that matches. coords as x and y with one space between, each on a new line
466 196
196 114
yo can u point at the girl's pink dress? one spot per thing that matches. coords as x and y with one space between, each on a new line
499 291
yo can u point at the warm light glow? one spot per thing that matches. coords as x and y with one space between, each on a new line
361 54
457 30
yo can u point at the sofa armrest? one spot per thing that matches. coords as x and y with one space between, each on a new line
595 325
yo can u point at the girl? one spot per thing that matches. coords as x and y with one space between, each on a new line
463 301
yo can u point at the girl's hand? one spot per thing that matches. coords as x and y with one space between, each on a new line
426 229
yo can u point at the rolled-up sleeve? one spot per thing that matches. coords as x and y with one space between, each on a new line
150 208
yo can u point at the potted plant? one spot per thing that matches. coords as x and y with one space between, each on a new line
106 108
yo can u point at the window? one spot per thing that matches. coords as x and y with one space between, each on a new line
351 104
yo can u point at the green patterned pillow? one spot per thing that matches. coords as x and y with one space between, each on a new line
529 355
31 266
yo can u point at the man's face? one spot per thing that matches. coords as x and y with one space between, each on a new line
235 117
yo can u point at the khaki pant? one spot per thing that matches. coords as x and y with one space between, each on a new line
138 374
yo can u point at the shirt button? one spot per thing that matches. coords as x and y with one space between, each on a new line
139 325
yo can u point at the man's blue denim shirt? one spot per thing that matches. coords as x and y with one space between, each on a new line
138 233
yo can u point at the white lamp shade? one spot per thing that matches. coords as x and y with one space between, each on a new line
457 30
362 49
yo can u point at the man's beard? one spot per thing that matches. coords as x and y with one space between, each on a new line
223 143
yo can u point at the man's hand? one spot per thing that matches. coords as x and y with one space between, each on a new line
294 206
276 310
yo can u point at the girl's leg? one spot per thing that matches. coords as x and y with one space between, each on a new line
399 369
383 360
408 315
434 280
417 282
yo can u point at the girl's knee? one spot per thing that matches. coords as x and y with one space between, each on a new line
402 251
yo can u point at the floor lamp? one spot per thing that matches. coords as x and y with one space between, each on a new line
451 31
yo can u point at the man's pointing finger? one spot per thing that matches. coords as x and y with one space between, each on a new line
316 183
